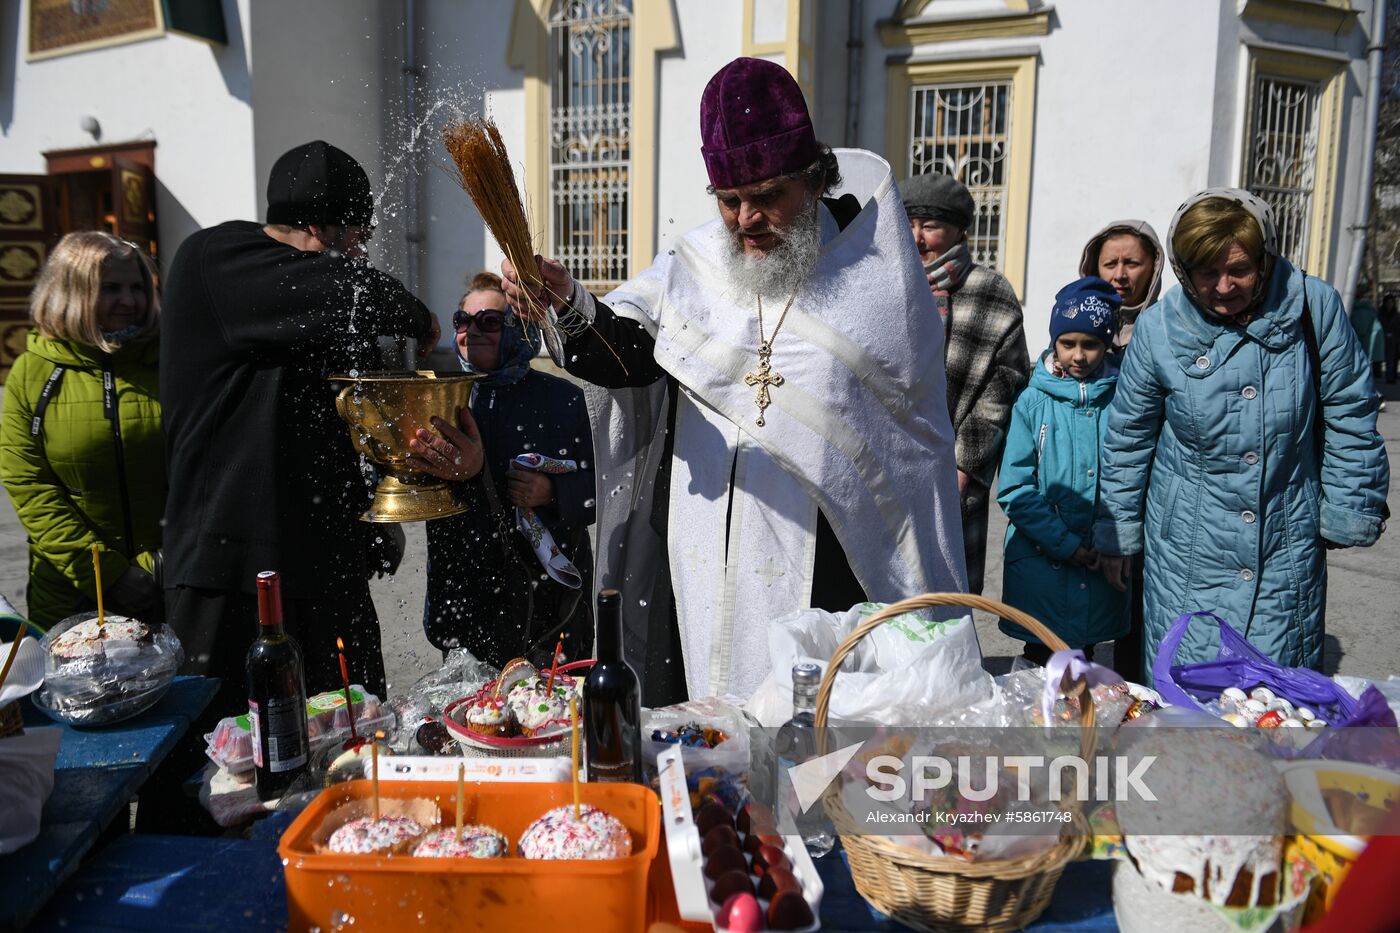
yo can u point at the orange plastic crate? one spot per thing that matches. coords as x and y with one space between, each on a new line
368 892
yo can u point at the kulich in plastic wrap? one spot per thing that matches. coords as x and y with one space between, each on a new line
97 674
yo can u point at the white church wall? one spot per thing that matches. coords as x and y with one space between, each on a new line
464 74
710 37
191 97
318 73
1123 129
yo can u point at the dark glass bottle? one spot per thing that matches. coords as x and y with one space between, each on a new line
276 696
612 703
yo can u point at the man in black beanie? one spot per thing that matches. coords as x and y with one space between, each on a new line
262 472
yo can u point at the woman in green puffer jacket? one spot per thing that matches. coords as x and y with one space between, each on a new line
83 466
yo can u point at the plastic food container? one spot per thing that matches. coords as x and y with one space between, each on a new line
554 740
1330 848
230 745
401 892
695 901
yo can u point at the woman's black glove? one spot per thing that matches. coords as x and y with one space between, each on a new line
136 594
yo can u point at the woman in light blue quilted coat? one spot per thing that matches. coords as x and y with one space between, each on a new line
1226 459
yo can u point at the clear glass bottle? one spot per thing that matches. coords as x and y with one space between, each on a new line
797 742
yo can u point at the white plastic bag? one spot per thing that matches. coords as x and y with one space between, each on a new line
905 672
27 674
730 756
26 780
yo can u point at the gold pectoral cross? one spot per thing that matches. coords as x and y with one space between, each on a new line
764 378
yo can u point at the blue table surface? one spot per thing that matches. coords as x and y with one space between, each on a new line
236 886
96 774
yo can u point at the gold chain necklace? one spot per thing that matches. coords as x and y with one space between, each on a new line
764 378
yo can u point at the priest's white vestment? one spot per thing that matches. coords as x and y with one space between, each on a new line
859 428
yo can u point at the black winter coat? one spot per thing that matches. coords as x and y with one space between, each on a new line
262 472
477 595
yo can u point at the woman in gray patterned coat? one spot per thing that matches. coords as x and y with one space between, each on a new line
984 346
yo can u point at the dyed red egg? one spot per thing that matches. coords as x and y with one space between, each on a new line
752 844
723 859
755 817
769 856
710 816
789 910
777 879
719 836
741 914
731 883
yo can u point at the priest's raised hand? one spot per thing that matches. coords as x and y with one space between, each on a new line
556 291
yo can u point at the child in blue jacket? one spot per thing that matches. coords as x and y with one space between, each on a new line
1049 481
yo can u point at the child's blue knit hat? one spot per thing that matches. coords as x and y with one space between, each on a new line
1086 306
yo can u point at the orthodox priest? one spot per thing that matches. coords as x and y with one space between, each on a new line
770 424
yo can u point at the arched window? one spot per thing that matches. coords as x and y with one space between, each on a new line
1282 166
964 130
590 152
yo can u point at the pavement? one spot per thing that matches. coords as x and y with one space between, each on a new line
1363 598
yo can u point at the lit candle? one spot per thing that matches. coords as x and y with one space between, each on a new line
349 704
549 687
374 771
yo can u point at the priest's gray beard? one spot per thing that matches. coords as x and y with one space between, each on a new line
783 269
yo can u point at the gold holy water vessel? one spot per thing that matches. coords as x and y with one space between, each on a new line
384 411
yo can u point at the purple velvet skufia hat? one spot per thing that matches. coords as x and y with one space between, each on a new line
754 124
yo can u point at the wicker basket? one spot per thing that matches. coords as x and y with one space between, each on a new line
939 894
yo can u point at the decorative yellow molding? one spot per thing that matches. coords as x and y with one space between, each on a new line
795 48
908 9
1000 26
653 31
1332 16
1021 72
798 53
529 49
752 49
1330 75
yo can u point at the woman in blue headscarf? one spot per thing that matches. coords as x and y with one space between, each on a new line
493 586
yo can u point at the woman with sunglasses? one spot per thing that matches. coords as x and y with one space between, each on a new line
487 590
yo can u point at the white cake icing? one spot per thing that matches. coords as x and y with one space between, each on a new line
87 638
1212 777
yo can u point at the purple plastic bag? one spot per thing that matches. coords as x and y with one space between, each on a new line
1240 664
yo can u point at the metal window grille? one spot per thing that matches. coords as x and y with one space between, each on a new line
1281 163
590 120
963 130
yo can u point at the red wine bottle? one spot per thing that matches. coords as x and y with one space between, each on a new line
612 703
276 697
